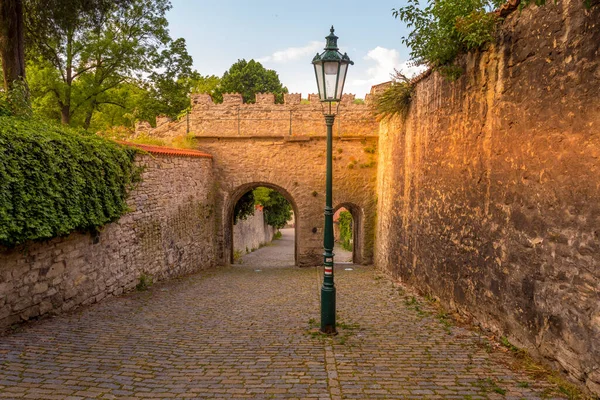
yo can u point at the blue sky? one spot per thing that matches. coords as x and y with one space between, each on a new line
285 35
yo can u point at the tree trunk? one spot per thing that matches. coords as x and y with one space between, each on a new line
89 115
65 115
12 49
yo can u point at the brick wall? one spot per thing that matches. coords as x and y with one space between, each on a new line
169 232
489 192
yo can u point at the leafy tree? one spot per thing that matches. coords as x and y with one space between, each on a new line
249 78
276 207
444 28
204 84
244 207
167 90
85 49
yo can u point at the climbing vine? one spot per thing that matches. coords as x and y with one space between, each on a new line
55 180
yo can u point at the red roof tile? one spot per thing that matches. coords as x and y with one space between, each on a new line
166 150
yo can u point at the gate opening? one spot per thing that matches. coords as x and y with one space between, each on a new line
346 224
263 230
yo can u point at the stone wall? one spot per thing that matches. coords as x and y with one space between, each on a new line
489 191
169 232
296 169
251 233
264 118
283 146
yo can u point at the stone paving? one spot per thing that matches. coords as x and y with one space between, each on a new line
248 332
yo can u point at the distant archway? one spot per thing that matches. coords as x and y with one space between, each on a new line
236 195
357 221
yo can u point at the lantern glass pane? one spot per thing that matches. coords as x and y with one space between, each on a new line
341 79
319 73
331 71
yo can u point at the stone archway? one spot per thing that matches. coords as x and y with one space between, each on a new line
235 196
357 230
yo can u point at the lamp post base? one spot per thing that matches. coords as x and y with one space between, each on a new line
328 310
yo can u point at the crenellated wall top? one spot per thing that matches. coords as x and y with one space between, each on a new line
203 100
294 117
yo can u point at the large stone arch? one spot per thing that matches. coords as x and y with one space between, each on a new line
358 234
284 146
235 196
296 168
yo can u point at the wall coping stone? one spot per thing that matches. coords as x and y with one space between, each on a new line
166 150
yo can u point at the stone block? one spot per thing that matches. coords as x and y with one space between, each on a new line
314 98
265 98
201 99
232 99
40 287
292 99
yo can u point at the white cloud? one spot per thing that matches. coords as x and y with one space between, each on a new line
386 60
292 53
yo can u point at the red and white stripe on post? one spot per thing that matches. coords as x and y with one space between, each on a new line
328 270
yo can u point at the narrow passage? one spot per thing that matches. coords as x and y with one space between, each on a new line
236 332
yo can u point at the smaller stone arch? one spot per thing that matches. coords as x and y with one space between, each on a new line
236 195
357 230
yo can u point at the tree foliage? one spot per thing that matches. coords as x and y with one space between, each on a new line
345 223
444 28
205 84
244 207
277 209
85 51
54 180
249 78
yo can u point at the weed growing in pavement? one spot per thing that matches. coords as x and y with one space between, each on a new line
237 257
523 362
444 319
145 282
489 385
345 331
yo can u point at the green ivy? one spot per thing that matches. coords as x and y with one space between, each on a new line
55 180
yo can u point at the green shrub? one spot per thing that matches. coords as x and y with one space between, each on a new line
396 99
346 230
55 180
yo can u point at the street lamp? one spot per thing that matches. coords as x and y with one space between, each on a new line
331 67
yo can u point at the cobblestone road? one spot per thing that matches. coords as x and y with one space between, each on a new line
237 333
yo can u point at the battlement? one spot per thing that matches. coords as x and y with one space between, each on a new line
295 117
200 100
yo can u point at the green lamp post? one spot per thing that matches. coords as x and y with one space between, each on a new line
331 67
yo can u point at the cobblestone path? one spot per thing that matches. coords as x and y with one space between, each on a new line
237 333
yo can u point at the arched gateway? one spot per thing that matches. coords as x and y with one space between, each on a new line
282 146
235 197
